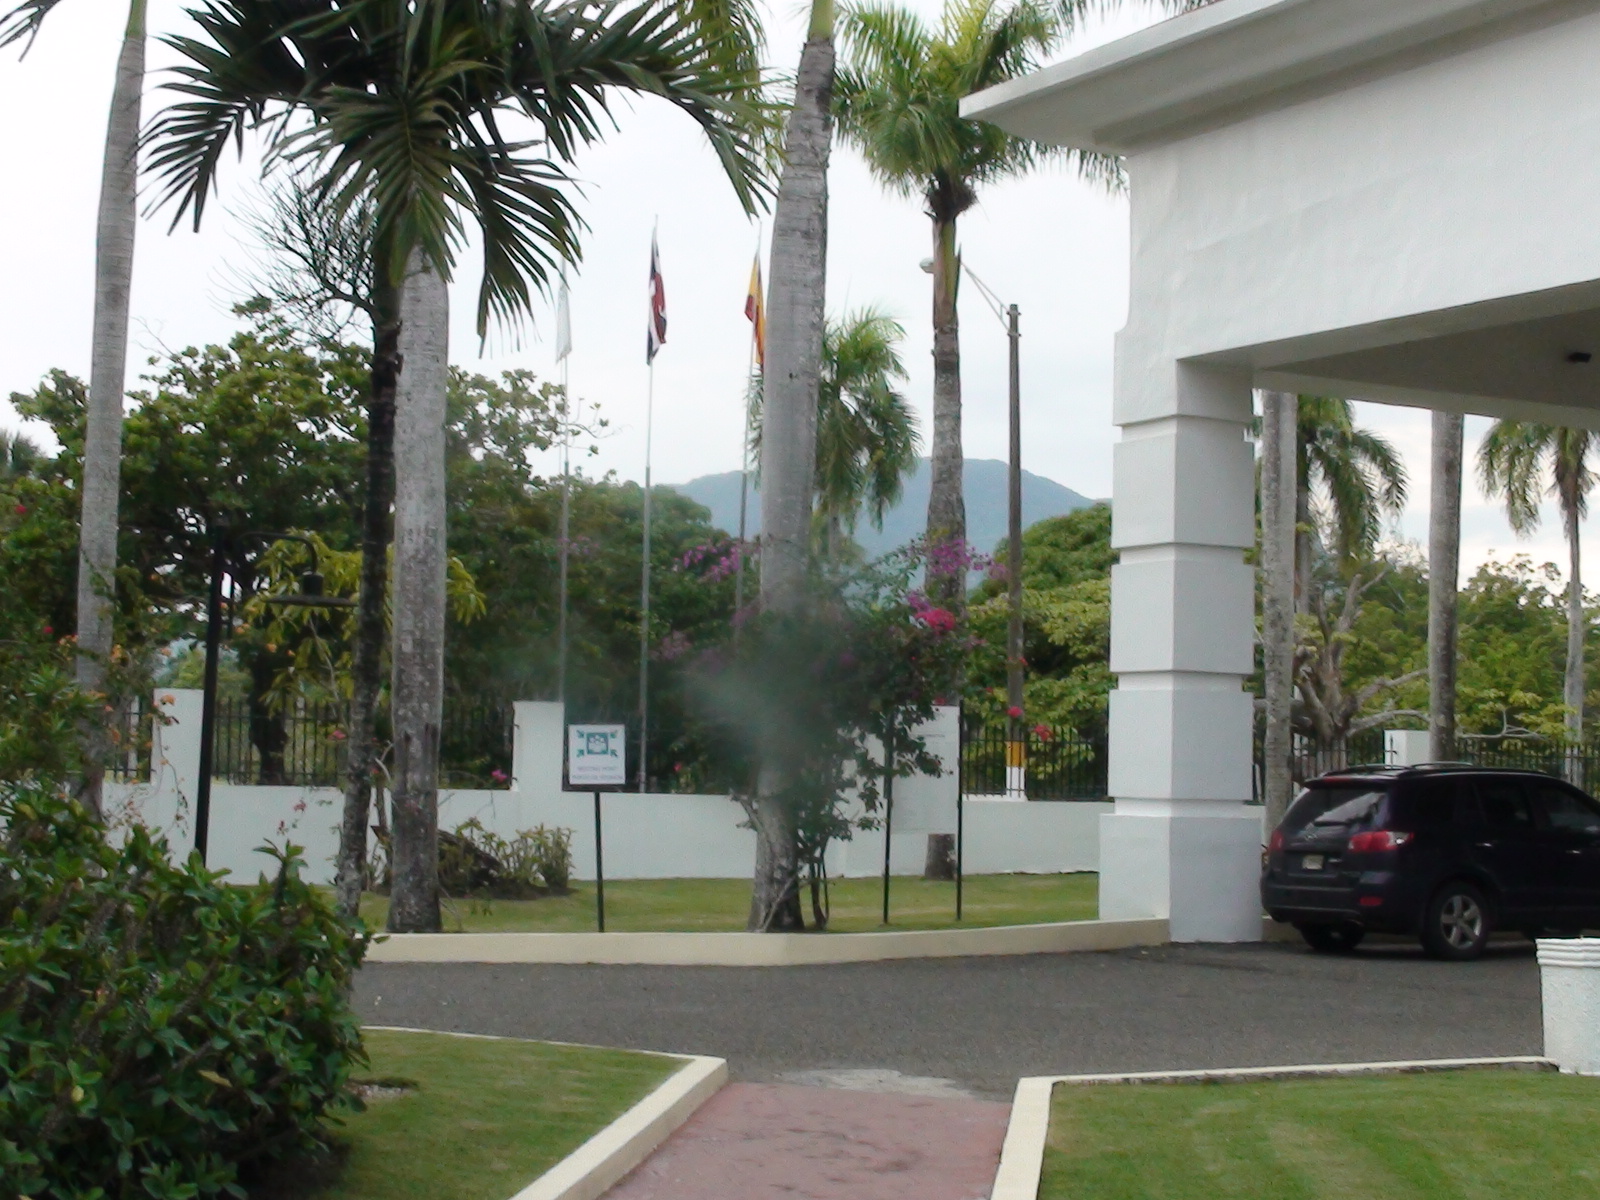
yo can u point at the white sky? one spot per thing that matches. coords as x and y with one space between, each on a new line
1053 245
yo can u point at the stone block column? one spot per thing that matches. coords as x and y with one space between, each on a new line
1181 842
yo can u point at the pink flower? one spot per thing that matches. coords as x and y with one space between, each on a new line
1042 731
1014 711
338 735
22 509
497 775
940 620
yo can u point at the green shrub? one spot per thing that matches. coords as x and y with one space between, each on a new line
474 861
552 855
160 1029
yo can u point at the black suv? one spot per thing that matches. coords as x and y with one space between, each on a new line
1443 852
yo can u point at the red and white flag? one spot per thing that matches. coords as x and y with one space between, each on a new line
656 335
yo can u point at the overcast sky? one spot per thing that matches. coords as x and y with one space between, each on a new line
1055 246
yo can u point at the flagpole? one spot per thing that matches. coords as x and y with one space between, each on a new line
644 587
566 516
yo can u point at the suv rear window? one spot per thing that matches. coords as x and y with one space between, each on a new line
1336 808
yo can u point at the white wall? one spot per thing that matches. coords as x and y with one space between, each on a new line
650 836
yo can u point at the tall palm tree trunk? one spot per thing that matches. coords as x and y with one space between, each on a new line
1444 567
1573 685
1278 505
102 451
367 669
789 433
417 693
947 510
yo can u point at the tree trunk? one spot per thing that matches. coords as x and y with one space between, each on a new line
1279 489
367 669
102 450
417 693
946 581
1444 567
789 433
269 731
1573 689
1304 532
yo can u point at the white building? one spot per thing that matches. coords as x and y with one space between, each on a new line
1392 199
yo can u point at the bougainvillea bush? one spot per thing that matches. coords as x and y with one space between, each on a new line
160 1029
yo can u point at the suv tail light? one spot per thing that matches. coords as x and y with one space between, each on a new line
1378 840
1275 843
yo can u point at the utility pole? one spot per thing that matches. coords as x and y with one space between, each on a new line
1017 744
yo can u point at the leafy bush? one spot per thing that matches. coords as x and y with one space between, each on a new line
474 861
160 1029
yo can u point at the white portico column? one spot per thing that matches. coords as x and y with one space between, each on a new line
1181 843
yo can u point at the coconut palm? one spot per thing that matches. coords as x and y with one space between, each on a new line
898 104
867 439
18 455
1444 562
414 106
1514 460
102 451
1348 480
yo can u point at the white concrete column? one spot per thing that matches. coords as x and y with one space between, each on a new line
174 766
1181 842
538 741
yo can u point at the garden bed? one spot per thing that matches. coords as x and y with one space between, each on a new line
453 1118
1461 1135
720 905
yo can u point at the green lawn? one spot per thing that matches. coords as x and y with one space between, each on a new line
721 904
1465 1135
487 1117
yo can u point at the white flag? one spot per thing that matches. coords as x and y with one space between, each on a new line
563 322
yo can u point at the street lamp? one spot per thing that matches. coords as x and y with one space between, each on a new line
1016 741
310 596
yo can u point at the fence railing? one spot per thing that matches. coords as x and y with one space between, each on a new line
306 745
1058 766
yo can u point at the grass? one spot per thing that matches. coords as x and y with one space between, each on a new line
721 905
486 1117
1465 1135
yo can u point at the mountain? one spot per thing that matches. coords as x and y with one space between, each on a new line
984 485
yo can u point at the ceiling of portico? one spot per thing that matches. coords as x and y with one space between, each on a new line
1527 370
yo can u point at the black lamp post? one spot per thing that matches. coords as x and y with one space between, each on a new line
310 596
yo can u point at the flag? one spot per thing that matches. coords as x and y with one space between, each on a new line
563 321
755 311
656 335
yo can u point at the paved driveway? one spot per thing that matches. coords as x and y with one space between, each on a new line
982 1022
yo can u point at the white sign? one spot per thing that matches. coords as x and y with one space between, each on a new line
597 755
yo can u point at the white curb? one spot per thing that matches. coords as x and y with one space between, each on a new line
1022 1157
766 949
590 1170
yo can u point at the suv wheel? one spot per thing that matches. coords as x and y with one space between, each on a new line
1332 939
1456 925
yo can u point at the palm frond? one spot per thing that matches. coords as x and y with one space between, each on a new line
24 21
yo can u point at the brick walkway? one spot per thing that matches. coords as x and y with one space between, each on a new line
755 1141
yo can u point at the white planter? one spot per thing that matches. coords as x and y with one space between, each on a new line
1569 976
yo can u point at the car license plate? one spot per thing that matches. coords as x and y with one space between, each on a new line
1312 862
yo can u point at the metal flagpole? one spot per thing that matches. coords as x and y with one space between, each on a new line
563 352
644 588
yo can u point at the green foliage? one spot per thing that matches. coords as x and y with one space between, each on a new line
475 861
1349 477
159 1028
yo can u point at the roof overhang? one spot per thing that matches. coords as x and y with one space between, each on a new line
1235 58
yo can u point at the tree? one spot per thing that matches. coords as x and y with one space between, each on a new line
1444 566
1513 460
1279 502
898 104
407 103
113 284
19 455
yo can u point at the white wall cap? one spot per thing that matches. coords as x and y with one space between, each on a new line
1230 60
1569 952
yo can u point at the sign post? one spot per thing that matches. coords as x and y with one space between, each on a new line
597 761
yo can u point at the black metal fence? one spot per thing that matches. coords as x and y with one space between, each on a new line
1059 765
306 744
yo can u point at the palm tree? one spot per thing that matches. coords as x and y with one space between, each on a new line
898 104
102 452
1513 460
1444 564
1348 478
407 106
867 439
18 456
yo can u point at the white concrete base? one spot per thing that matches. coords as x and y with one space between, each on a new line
764 949
1569 980
1200 870
1022 1156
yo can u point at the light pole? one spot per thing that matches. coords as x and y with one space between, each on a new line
310 596
1016 736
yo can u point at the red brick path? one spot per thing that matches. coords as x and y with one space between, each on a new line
756 1141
